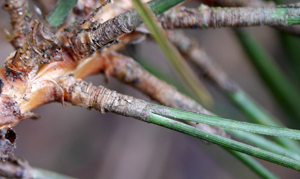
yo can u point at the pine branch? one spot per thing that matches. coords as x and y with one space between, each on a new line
173 56
219 78
130 72
207 17
99 35
284 91
224 142
30 79
80 93
253 165
263 143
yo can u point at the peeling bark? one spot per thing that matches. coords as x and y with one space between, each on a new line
40 47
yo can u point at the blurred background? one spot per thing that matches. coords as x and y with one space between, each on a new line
86 144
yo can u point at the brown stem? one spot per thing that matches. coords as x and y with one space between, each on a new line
81 93
20 21
99 35
130 72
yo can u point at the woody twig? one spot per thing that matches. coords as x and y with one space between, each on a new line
292 29
208 17
20 21
130 72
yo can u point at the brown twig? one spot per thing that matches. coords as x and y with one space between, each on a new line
81 93
130 72
99 35
20 21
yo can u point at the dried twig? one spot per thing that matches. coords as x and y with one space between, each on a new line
100 35
20 21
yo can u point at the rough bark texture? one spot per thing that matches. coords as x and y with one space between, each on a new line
99 35
81 93
130 72
40 47
206 17
30 76
20 21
